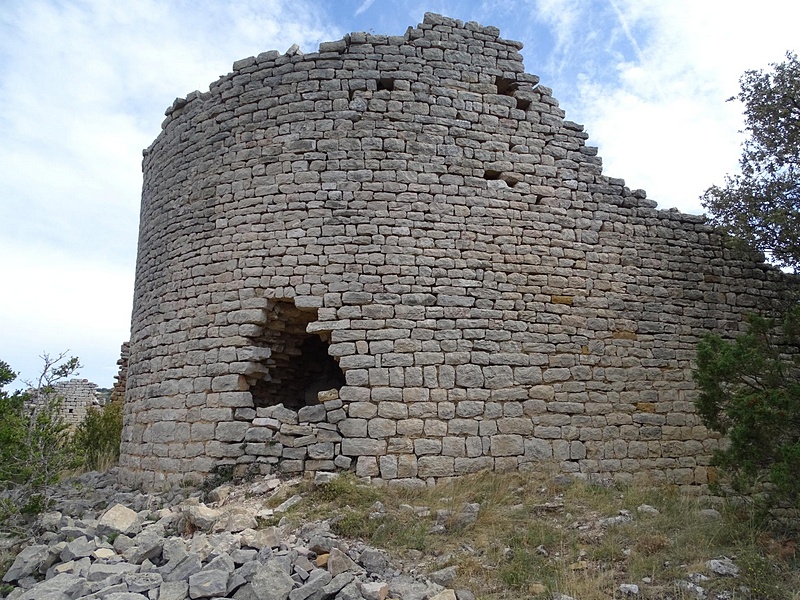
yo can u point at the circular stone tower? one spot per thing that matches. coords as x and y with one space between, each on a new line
394 255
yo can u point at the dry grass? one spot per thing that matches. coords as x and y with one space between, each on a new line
532 538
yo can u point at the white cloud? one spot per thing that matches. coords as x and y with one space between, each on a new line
660 117
364 6
52 303
83 88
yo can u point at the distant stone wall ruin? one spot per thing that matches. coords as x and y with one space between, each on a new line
75 396
394 255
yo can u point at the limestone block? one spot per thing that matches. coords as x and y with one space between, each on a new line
231 431
435 428
119 519
381 428
538 449
506 445
388 467
392 410
353 427
367 466
469 408
435 466
312 414
460 427
362 410
363 447
519 425
228 383
469 376
425 446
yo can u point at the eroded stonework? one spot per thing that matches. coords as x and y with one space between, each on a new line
394 255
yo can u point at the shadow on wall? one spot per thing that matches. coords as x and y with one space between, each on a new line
299 366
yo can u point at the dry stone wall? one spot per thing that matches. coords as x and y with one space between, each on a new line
76 396
394 255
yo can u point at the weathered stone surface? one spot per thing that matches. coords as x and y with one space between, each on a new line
488 297
208 583
27 562
173 590
443 577
60 587
339 562
119 519
271 582
374 590
142 582
201 516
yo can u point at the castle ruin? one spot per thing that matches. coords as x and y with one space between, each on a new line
395 256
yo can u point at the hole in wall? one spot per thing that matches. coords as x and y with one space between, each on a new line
511 179
299 366
523 104
506 86
386 83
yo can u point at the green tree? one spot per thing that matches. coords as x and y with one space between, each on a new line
750 391
762 204
750 387
97 439
34 441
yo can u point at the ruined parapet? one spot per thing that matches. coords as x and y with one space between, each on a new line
407 227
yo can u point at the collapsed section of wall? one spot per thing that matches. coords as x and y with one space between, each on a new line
395 255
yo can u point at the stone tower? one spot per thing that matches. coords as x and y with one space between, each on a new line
394 255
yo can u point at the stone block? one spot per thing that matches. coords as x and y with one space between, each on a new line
231 431
363 447
435 466
506 445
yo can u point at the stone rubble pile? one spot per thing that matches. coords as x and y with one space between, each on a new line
143 547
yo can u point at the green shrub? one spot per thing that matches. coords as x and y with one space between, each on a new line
34 441
97 438
750 391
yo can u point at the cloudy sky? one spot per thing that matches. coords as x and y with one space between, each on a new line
84 85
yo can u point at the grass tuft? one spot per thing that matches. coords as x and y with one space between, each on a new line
532 538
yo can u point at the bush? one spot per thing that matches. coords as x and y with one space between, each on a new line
34 441
97 438
750 391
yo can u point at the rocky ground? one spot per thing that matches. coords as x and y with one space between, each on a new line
106 543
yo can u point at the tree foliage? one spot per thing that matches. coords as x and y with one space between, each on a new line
762 204
750 387
34 441
750 391
97 439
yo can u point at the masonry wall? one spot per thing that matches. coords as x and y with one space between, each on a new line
76 397
419 203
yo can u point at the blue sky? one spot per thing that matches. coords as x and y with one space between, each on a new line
84 85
